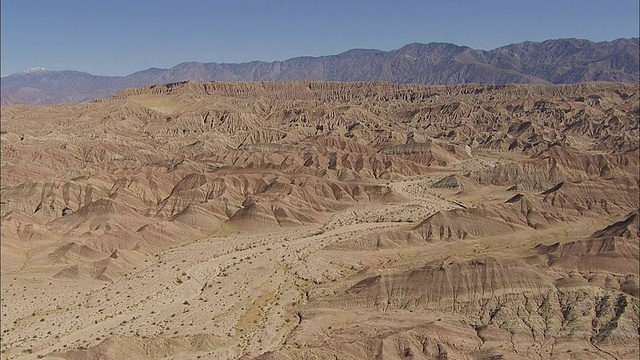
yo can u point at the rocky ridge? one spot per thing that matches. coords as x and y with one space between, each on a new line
559 61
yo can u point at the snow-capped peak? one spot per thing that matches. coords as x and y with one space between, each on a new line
34 70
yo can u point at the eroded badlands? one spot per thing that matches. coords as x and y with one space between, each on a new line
311 220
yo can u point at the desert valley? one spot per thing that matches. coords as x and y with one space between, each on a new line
323 220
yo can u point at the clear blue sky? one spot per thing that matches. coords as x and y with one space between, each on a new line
120 37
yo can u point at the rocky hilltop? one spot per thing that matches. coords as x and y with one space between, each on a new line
323 220
560 61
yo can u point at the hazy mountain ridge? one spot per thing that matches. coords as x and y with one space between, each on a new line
552 61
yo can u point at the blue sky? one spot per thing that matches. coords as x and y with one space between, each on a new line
120 37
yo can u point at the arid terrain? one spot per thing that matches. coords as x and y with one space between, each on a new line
323 220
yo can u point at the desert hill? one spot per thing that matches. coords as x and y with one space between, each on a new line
310 219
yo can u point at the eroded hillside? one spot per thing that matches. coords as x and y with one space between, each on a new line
323 220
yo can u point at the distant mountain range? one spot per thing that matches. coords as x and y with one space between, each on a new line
558 61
